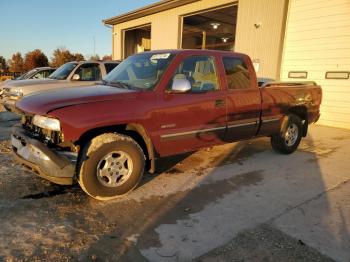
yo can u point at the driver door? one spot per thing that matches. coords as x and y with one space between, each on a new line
196 118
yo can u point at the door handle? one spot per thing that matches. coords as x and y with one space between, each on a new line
219 102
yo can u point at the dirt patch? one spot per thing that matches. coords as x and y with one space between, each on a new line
264 244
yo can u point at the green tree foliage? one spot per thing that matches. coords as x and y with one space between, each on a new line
3 65
35 59
16 63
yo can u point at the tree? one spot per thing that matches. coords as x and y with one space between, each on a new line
3 65
94 57
61 56
16 63
35 59
106 58
78 57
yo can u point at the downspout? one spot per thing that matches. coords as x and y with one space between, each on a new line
113 35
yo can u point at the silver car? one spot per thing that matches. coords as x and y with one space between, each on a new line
72 74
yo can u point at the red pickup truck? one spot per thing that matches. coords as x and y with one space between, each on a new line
152 105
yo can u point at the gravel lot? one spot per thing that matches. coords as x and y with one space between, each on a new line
237 202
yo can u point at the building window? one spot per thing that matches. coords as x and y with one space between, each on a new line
215 29
337 75
297 74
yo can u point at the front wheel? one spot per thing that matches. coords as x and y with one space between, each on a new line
287 141
111 166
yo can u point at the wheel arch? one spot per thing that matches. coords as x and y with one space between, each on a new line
134 130
301 111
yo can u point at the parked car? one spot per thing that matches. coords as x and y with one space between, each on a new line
72 74
36 73
156 104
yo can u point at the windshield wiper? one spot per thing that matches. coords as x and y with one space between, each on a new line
119 85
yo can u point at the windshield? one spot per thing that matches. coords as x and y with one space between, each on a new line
25 75
142 71
63 71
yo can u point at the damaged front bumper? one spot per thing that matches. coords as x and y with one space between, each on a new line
53 165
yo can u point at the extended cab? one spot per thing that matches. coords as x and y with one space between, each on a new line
152 105
72 74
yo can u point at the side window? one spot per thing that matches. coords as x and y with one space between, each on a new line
200 71
237 73
89 72
110 66
39 75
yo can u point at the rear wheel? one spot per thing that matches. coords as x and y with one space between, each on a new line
111 165
287 141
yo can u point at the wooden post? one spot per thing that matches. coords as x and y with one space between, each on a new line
204 39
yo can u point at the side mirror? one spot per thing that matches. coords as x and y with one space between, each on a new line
76 77
181 86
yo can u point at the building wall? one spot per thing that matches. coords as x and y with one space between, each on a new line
264 43
318 40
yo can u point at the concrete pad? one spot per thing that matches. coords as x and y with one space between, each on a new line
322 223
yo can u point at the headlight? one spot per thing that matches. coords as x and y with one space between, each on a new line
47 123
17 93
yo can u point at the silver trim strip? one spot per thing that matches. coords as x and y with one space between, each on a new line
270 120
243 124
192 132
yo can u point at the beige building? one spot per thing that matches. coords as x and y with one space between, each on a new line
287 39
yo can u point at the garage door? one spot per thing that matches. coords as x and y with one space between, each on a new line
317 48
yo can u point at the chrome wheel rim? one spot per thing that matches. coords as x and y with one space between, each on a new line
291 135
114 169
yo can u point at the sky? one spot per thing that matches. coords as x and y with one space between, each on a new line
26 25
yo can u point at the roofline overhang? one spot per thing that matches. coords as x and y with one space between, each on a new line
147 10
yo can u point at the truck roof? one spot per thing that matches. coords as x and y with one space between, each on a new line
195 51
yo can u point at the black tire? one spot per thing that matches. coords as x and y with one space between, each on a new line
93 155
284 142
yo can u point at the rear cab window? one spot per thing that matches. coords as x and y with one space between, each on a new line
237 73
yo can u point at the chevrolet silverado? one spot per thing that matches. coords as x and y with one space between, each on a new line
157 104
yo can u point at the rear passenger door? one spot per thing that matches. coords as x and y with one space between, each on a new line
243 99
197 118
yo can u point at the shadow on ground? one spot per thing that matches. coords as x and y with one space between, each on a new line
199 202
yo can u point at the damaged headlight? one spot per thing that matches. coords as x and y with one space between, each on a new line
14 93
47 123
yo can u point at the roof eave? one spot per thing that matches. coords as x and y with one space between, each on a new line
147 10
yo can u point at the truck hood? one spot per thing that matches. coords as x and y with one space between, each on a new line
31 82
44 102
33 85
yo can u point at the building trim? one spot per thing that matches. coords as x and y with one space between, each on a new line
147 10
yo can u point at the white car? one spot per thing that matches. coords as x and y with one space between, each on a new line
72 74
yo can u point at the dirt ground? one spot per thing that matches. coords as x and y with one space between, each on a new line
237 202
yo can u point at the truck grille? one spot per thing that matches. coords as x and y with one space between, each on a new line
41 134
